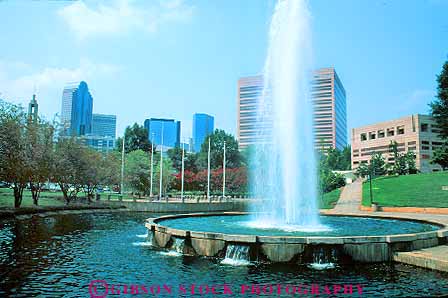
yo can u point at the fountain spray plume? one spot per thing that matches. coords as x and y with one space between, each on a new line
283 164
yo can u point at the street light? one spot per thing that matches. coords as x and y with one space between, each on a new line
152 164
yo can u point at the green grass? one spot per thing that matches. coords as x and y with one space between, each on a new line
330 199
46 198
419 190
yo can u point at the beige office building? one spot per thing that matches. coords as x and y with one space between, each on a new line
327 91
415 133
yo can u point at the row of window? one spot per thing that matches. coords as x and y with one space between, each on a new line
390 132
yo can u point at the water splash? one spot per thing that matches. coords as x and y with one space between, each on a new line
237 255
176 249
148 241
283 165
323 259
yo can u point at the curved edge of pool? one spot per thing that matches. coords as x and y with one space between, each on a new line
288 248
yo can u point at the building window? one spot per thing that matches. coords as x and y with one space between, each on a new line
372 135
381 133
390 132
425 147
425 156
412 143
424 127
363 137
425 142
412 148
400 130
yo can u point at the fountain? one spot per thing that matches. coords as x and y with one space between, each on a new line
283 165
286 226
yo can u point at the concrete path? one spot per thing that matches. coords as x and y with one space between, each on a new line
350 199
432 258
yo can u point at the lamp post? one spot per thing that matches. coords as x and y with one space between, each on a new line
208 174
152 164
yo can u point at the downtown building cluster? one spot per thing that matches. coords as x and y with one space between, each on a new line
414 133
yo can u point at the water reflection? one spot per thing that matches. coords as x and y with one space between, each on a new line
58 256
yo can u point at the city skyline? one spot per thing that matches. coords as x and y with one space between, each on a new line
99 56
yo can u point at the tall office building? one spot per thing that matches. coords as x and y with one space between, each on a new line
329 101
77 105
203 125
33 109
171 132
330 112
104 125
249 91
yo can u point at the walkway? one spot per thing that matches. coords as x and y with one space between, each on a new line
432 258
350 199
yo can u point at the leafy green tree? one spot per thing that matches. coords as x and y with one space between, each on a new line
137 171
168 175
439 107
440 156
336 160
38 154
13 166
136 138
217 139
376 167
403 163
68 169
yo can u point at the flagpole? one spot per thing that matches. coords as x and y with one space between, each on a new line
208 173
224 172
183 168
152 164
161 167
122 167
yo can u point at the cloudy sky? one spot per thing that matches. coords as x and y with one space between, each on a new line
173 58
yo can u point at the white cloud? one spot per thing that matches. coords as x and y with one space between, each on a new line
122 16
18 81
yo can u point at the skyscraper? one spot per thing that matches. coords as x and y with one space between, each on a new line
104 125
33 109
170 128
330 112
330 115
77 105
203 125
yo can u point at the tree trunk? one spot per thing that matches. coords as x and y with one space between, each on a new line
18 195
65 193
35 191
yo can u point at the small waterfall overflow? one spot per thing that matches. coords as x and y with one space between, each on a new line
237 255
324 258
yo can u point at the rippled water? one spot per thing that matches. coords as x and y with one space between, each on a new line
58 257
334 226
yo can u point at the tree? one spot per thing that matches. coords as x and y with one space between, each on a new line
136 138
168 175
439 107
68 168
217 139
403 163
13 166
376 167
175 154
38 154
92 164
440 156
335 159
137 171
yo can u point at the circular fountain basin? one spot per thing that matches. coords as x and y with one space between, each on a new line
357 238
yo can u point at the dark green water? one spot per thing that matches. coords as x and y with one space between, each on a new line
59 256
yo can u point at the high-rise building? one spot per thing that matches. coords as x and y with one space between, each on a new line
104 125
329 101
77 105
203 125
103 144
249 91
33 109
171 132
330 112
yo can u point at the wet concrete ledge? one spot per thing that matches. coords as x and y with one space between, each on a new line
296 248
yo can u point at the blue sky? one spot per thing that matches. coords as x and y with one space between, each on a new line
173 58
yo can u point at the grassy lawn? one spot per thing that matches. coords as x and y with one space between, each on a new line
419 190
330 199
46 198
